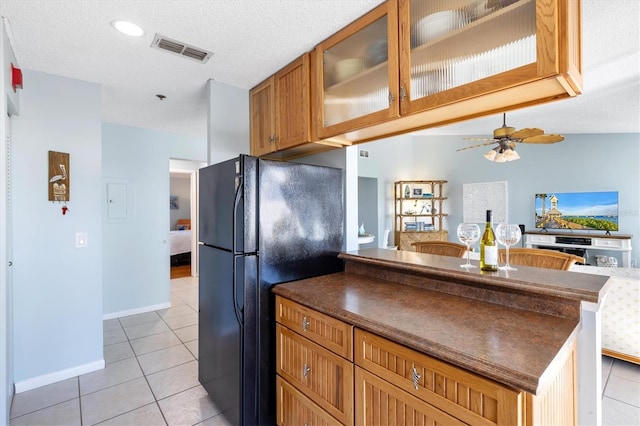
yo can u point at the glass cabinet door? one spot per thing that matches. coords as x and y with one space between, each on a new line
356 66
453 43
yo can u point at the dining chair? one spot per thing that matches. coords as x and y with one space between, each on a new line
541 258
443 248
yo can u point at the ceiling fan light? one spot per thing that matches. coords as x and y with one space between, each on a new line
491 155
511 155
500 158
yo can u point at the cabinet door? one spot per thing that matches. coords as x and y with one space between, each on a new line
379 403
295 409
358 73
465 395
293 107
263 118
452 50
322 376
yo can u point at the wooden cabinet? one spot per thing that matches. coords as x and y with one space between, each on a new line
419 211
446 61
380 403
323 377
390 383
280 109
295 409
434 389
357 74
414 64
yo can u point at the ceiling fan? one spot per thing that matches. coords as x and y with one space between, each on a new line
506 138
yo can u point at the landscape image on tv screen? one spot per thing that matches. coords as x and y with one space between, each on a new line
577 211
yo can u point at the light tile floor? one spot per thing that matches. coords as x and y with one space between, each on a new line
151 377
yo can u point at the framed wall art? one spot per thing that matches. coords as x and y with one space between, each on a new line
59 181
477 198
173 202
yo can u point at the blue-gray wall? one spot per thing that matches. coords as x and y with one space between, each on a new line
57 287
136 250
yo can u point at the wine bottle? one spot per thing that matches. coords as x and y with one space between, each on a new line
488 247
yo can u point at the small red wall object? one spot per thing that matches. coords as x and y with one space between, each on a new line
16 78
64 209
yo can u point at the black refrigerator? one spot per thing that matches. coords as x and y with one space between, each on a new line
261 223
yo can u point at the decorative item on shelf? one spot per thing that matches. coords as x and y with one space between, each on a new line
411 226
417 192
606 261
407 191
427 195
361 230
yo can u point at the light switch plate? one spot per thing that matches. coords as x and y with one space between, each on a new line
82 239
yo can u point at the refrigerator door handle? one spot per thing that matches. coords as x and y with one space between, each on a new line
236 204
236 309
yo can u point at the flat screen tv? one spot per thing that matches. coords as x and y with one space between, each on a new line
597 211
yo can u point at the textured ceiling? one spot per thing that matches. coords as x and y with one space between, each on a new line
251 39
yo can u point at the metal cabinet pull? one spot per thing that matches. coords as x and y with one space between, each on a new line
416 377
305 323
391 98
305 370
403 94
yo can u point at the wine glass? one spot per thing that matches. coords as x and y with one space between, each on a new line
508 234
468 233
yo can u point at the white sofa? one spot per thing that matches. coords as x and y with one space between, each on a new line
620 312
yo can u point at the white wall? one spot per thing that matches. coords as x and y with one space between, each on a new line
180 187
57 287
136 250
227 122
9 104
583 162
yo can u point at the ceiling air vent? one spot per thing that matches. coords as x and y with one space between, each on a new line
179 48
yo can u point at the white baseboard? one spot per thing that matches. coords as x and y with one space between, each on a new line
58 376
135 311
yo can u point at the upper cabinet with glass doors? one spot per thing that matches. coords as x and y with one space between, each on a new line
357 73
452 60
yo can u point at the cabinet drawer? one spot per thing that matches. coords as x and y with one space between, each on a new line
465 395
540 239
326 331
380 403
607 242
295 409
321 375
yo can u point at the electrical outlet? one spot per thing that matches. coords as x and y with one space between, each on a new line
82 239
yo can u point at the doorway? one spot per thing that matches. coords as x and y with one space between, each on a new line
368 209
183 217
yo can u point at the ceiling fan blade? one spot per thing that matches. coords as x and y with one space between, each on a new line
526 133
544 139
476 146
480 139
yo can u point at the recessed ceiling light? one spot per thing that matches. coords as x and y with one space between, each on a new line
127 28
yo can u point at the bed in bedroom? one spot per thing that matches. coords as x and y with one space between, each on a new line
181 243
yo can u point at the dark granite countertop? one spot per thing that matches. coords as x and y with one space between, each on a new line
510 345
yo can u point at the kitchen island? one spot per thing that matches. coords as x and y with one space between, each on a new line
513 334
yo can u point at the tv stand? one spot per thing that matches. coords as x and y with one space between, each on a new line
618 242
